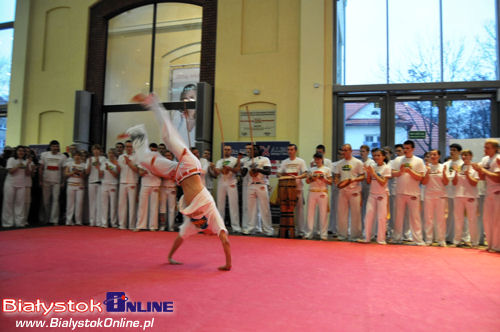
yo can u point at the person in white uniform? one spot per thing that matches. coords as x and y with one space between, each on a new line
75 190
31 168
226 169
435 182
377 203
318 178
168 198
334 194
466 199
409 170
196 203
364 151
51 179
349 174
296 167
127 195
258 168
452 166
111 175
489 170
14 189
94 173
245 179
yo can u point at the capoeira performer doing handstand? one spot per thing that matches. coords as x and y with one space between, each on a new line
196 203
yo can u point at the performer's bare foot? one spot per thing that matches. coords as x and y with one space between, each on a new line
225 268
173 262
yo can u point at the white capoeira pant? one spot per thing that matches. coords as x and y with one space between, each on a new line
435 218
205 214
461 206
376 207
74 203
148 194
50 192
231 191
258 195
127 194
317 198
13 206
413 204
109 200
95 204
491 220
168 197
348 200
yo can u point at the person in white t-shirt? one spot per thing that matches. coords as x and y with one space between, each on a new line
409 170
109 192
319 178
245 179
364 152
466 199
209 171
51 179
14 189
489 170
75 191
296 167
258 168
334 194
326 162
95 173
127 195
348 175
435 181
452 166
226 169
168 198
378 199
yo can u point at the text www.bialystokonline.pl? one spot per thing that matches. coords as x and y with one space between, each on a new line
74 324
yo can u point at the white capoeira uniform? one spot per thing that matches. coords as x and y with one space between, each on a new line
127 193
52 165
331 221
377 204
318 197
75 191
168 200
365 191
392 200
296 167
227 186
244 195
202 212
14 194
408 196
28 184
349 199
109 194
491 209
450 193
466 201
333 201
435 204
258 196
94 186
148 197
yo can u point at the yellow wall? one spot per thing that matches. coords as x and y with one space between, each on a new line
280 47
52 68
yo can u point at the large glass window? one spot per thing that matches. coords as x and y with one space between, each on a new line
468 119
362 125
408 41
7 14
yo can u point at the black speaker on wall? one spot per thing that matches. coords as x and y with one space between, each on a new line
204 114
81 126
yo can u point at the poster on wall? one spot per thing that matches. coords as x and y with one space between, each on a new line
263 123
183 88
